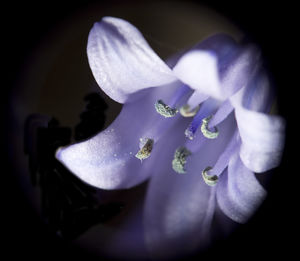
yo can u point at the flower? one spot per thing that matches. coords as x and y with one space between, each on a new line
198 128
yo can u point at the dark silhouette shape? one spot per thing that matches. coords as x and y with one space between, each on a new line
69 206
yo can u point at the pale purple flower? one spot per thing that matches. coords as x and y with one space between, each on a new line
198 127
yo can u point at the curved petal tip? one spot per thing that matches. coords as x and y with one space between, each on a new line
121 60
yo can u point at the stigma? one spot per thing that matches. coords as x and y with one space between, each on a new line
206 132
208 179
179 161
146 146
164 109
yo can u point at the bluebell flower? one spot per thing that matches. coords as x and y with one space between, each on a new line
198 127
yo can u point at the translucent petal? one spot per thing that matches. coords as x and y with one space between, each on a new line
218 68
237 70
108 160
257 95
238 191
178 212
121 60
199 70
262 138
179 208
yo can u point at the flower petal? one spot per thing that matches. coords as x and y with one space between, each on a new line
237 70
196 99
199 70
178 212
257 95
179 207
108 160
121 60
262 138
218 68
238 192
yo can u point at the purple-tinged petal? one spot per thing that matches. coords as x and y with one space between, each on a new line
121 60
199 70
262 135
236 71
239 193
262 138
108 160
178 212
179 207
218 70
257 95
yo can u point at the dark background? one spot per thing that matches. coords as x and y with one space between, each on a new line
270 233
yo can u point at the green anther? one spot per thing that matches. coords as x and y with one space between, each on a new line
209 180
207 133
179 160
146 146
164 109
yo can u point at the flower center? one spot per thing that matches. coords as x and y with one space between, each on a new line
207 113
159 126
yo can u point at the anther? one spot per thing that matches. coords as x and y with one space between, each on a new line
206 132
146 146
179 161
186 111
209 180
164 109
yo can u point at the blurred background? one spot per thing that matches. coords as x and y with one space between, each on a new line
47 72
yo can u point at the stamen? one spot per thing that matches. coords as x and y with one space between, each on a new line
179 160
207 108
186 111
146 146
193 126
180 95
164 109
209 180
207 133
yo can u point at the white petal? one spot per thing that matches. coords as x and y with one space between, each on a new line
121 60
262 139
199 70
